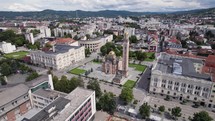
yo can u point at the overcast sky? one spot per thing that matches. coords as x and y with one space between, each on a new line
95 5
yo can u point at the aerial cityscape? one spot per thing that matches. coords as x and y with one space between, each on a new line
107 60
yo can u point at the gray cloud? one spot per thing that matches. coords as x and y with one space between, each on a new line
94 5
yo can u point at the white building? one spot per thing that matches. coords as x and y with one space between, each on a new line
130 31
181 78
58 32
45 31
7 47
60 57
78 105
95 44
30 37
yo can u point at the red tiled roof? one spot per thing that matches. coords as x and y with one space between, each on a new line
64 40
211 58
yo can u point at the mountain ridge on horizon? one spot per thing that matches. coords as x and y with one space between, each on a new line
49 13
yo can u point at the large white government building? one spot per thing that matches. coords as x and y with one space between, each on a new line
181 77
60 57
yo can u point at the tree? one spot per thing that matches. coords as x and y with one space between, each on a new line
145 110
161 108
5 69
2 80
201 116
111 47
94 85
152 56
66 85
88 36
107 102
127 95
37 44
87 52
133 39
176 112
32 76
141 56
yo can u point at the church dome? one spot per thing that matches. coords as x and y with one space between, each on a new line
111 53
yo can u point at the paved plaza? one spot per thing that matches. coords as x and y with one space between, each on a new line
187 110
97 73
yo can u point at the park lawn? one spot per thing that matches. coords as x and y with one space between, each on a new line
16 55
149 54
138 67
129 84
77 71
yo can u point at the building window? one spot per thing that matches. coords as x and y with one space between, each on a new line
188 97
195 98
154 89
162 91
174 93
168 92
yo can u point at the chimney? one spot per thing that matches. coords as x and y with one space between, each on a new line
50 81
53 48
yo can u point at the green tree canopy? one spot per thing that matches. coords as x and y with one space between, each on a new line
94 85
111 47
11 37
161 108
176 112
133 39
107 102
127 95
32 76
145 110
66 85
201 116
141 55
5 69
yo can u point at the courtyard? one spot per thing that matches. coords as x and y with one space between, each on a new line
96 72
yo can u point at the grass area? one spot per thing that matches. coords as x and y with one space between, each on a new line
149 54
138 67
129 84
77 71
16 55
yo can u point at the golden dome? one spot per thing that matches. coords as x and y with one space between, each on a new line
111 53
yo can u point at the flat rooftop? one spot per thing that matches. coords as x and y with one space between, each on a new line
180 66
13 93
51 110
62 49
76 97
49 94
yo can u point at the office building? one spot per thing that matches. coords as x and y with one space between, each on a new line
59 57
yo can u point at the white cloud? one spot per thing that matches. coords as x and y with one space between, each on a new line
23 7
94 5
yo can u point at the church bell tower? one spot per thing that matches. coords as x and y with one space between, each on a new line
125 54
